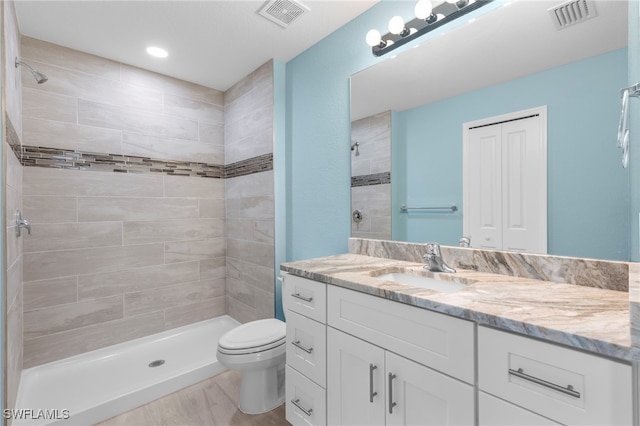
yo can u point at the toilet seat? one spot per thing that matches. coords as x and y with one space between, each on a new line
252 337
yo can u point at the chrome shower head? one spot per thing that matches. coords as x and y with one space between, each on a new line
40 77
355 146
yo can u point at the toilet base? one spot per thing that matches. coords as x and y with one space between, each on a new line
262 390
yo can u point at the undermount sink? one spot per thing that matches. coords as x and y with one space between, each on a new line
422 281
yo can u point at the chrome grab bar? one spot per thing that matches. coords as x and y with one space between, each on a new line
296 402
305 299
297 344
453 208
568 390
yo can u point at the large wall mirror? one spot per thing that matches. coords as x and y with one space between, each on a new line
408 112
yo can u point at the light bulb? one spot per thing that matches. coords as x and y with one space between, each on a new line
373 38
396 25
423 9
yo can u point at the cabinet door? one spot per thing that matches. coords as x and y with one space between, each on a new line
355 381
417 395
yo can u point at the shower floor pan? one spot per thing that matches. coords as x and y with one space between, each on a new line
100 384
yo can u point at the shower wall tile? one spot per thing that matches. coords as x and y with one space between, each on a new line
49 106
46 181
46 293
92 209
72 342
39 50
172 296
210 208
260 277
50 264
136 279
184 251
50 208
45 321
172 230
194 187
258 253
171 149
65 236
250 198
134 120
373 133
191 109
213 268
71 136
211 133
194 312
12 187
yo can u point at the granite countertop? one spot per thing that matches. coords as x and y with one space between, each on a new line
592 319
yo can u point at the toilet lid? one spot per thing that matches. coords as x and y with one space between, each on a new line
255 334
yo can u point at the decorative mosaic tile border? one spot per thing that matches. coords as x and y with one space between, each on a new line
373 179
36 156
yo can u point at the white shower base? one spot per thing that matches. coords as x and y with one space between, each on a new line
100 384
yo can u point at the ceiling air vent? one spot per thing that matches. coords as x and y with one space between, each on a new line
572 12
283 12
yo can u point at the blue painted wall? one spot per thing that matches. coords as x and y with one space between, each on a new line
588 200
318 131
634 123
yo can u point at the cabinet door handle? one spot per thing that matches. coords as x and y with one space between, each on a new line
371 392
297 344
296 402
305 299
568 390
391 403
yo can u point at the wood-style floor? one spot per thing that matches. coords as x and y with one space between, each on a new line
213 402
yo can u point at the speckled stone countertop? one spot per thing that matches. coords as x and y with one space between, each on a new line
592 319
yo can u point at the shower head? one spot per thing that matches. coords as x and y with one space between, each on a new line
355 146
40 78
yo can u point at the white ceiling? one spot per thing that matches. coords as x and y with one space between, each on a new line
212 43
509 42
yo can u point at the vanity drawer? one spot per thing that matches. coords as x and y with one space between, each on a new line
307 347
306 402
438 341
566 385
306 297
496 412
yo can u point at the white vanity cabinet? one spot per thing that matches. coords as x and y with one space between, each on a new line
390 376
306 315
527 380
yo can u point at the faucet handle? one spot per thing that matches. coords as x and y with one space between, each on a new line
464 242
433 249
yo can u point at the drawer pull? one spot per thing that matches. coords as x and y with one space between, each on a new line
296 402
371 392
566 390
297 344
305 299
391 403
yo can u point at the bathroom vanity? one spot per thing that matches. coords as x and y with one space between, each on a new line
365 348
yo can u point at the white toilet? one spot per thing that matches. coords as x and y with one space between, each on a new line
257 349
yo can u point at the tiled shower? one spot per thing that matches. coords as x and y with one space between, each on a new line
150 201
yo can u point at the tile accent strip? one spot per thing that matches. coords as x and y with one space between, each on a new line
373 179
12 137
37 156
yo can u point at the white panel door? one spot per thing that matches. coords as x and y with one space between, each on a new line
524 187
417 395
483 206
355 381
505 182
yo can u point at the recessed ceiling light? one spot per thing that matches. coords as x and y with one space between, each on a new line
158 52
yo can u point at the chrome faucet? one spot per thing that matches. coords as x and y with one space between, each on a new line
434 261
464 242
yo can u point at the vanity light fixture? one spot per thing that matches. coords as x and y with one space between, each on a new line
157 52
427 19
